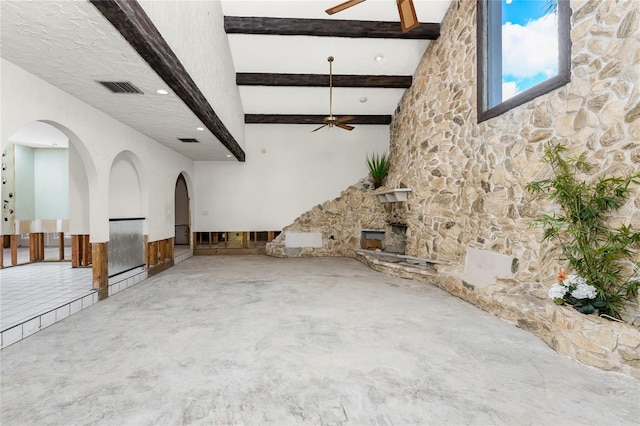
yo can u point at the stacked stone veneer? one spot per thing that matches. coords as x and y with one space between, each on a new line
468 178
340 221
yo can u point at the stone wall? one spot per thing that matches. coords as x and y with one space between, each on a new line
468 179
340 221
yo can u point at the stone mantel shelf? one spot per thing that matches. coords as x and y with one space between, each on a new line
393 195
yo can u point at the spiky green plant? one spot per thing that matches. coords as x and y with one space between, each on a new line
593 249
378 167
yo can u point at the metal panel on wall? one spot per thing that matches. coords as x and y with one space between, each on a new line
126 245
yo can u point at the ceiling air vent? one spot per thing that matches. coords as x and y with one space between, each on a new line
188 140
121 87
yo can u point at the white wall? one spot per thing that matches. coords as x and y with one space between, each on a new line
297 170
96 140
195 32
51 180
24 189
125 197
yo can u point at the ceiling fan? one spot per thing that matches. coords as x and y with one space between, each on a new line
408 17
331 120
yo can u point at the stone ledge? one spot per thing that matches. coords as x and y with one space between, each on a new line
588 339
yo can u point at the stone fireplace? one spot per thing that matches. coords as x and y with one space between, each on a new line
395 238
372 239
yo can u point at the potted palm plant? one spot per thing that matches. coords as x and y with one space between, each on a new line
378 168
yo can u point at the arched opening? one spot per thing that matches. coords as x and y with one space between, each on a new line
47 173
44 191
126 218
182 214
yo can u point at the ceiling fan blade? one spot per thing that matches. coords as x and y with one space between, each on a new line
315 130
342 6
344 126
408 17
345 119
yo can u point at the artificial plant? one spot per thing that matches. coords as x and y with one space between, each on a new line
378 167
603 255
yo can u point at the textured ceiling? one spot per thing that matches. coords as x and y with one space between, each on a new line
71 45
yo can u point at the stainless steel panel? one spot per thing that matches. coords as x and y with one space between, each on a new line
126 245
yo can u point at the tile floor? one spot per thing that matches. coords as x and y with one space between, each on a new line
36 295
50 254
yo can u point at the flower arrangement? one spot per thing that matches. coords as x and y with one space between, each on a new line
605 255
574 290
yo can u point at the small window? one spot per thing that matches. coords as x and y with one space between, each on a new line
524 51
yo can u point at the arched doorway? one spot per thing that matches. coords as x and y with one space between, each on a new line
126 217
182 213
44 193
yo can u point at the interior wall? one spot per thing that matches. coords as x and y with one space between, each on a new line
79 196
51 179
288 171
469 179
213 73
25 183
125 199
99 138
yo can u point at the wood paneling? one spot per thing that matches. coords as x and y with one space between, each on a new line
80 250
327 28
129 18
153 254
61 245
36 246
311 119
322 80
100 270
13 242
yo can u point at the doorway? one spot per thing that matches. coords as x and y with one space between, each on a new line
182 216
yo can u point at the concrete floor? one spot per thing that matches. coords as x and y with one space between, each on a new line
257 340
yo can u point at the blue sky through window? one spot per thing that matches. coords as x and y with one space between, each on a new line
529 45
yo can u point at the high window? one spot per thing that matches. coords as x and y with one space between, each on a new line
524 51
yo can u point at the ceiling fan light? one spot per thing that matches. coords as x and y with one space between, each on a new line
408 17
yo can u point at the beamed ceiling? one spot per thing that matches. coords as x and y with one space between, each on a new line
279 51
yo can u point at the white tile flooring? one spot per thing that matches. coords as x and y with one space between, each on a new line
50 254
37 295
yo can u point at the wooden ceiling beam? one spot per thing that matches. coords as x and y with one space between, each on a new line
131 21
327 28
322 80
311 119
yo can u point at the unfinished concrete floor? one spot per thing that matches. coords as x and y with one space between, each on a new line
257 340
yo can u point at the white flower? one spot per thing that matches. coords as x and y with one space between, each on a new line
574 281
584 291
557 291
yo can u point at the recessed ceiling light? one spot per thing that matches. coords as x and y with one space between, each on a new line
162 92
363 99
228 155
200 128
378 58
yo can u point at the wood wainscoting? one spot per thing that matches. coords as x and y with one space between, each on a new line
232 242
158 255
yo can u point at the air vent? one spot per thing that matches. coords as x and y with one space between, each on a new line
188 140
121 87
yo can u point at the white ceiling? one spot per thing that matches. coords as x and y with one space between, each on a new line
70 45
